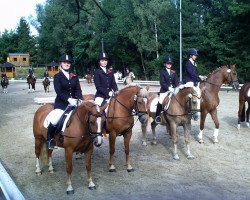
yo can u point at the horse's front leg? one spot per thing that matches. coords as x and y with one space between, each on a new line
68 159
217 124
247 114
127 137
112 140
187 130
241 109
88 168
144 133
173 130
153 126
202 123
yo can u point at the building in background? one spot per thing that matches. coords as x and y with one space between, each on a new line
9 69
19 59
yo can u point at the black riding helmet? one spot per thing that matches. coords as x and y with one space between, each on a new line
103 56
65 58
168 60
192 51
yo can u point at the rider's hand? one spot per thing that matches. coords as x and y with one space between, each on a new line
72 102
181 86
171 89
110 93
202 77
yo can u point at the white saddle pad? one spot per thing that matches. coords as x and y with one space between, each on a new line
248 93
153 105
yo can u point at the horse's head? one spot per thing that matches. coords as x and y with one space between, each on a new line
95 120
231 77
140 99
192 97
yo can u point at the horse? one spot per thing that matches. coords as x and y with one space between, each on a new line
244 96
118 76
178 111
129 79
123 106
80 134
31 80
46 84
5 83
89 78
210 98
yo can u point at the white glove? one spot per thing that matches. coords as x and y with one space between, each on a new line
111 93
171 89
72 102
181 86
176 90
202 77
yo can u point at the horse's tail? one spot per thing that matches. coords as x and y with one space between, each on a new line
44 154
243 113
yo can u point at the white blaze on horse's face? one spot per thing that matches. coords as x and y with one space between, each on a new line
229 70
99 126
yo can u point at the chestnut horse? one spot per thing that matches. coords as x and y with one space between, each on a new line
31 80
210 98
130 101
244 96
177 111
4 84
84 130
46 84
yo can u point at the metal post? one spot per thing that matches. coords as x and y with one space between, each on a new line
102 42
180 45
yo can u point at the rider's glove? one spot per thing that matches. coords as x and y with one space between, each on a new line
72 102
171 89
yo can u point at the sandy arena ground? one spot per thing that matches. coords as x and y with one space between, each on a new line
219 171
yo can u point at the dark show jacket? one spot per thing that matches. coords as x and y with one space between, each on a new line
104 83
191 73
66 89
167 80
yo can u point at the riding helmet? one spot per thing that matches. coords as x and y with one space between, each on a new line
168 60
192 51
103 56
65 58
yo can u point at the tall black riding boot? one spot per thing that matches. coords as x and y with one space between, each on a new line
50 136
157 114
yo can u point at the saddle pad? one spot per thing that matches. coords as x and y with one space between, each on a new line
248 93
48 117
153 105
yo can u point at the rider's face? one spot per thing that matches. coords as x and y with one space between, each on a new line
168 65
193 57
103 62
65 65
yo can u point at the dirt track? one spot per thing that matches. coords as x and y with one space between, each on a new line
219 171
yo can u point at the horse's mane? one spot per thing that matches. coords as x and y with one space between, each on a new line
215 71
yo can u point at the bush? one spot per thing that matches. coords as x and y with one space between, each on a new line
22 72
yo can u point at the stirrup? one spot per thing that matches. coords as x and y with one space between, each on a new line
51 144
158 120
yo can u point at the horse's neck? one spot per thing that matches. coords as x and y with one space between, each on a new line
215 81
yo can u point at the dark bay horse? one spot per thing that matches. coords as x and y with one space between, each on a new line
4 84
31 80
89 78
244 96
177 111
210 98
84 130
46 84
130 101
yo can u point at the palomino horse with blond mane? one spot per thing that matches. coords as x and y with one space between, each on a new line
210 98
244 97
178 111
82 131
129 102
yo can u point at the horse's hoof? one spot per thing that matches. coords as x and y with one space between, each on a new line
92 187
144 143
176 157
51 171
130 170
247 124
38 173
154 142
112 170
200 141
190 157
70 192
215 140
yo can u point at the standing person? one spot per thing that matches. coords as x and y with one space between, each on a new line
168 81
68 94
191 68
104 81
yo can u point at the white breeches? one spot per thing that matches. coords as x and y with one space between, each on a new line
55 115
162 96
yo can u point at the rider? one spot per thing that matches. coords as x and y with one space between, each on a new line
46 74
4 75
191 68
68 94
31 72
168 81
104 81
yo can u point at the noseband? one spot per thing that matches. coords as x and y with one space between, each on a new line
92 134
